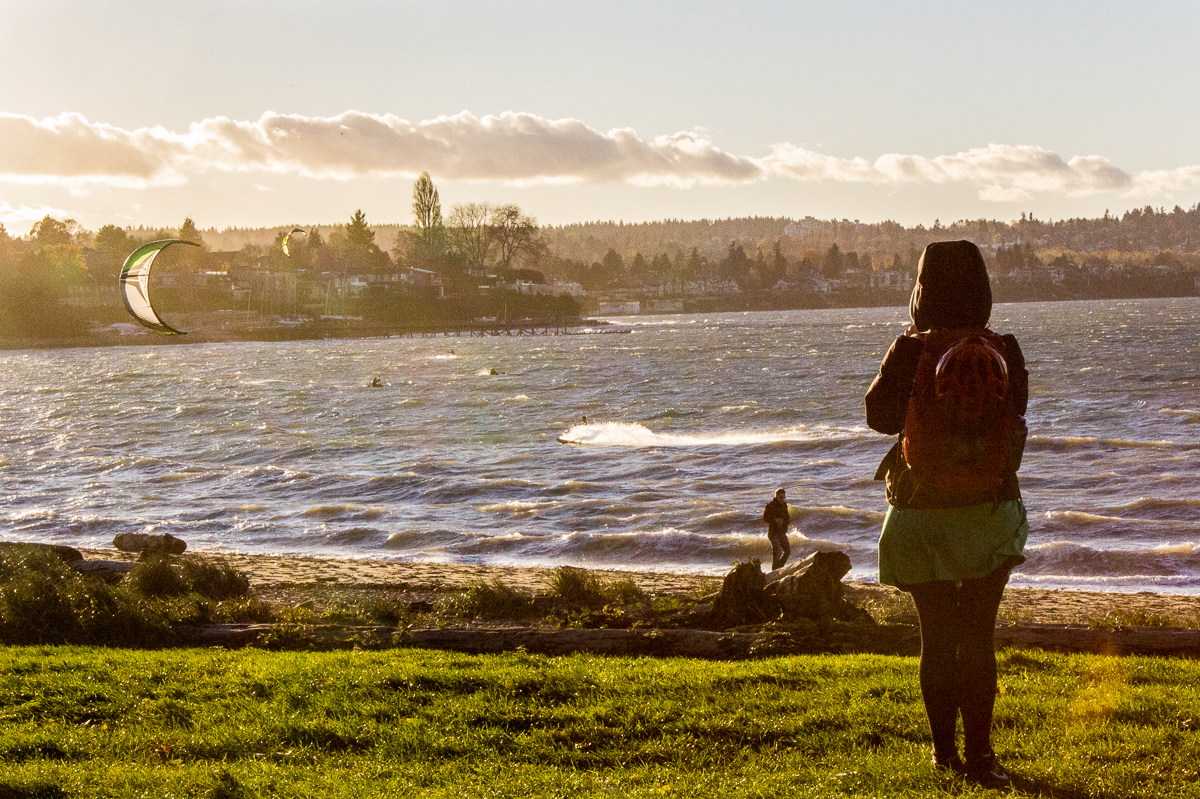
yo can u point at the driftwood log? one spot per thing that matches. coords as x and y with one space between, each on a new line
703 644
1151 641
64 553
764 641
110 571
148 544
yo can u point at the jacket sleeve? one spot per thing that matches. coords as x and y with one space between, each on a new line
887 398
1018 375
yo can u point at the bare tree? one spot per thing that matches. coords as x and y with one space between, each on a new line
471 229
515 233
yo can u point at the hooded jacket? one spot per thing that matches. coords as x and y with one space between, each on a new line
952 291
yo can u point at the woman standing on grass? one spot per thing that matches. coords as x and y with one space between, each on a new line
955 525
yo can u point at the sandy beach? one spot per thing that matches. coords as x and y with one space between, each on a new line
289 580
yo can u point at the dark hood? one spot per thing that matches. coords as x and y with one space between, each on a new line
952 287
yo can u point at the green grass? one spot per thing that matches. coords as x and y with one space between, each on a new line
489 600
1119 618
80 721
43 600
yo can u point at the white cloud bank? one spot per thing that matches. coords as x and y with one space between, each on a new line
516 149
25 215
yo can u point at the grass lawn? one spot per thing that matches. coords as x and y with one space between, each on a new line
96 722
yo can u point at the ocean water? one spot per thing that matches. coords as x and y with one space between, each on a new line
693 422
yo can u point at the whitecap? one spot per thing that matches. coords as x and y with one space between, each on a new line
623 434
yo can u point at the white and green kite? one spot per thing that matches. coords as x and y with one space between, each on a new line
134 283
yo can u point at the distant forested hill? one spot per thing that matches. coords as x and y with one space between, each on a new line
1140 230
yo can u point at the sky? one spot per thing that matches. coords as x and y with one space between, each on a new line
257 113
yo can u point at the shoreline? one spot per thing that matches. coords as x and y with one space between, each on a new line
278 577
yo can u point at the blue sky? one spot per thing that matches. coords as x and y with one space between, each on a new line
260 113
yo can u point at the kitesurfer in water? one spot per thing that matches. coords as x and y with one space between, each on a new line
952 552
777 518
376 382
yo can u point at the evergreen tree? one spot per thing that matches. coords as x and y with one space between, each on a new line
778 261
613 266
359 237
638 271
832 265
188 232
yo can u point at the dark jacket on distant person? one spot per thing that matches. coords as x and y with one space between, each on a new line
777 509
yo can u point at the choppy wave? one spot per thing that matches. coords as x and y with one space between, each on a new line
637 550
1060 443
343 512
355 536
1173 508
1064 558
518 509
273 448
1079 517
1116 583
623 434
1181 411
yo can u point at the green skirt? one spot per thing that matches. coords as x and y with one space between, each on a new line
918 545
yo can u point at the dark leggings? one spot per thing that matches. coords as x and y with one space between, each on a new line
780 548
958 660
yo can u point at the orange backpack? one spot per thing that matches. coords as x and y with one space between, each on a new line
960 424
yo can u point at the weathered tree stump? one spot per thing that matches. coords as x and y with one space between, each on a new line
812 589
742 599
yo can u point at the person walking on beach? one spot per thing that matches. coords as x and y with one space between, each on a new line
956 394
777 518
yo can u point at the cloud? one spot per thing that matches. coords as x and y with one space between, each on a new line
23 217
519 149
70 150
1005 173
515 148
999 194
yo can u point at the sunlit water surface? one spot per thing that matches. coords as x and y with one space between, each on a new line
693 421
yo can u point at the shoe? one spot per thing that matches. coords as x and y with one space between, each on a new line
988 773
952 763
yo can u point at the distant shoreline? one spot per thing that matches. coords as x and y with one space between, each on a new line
280 333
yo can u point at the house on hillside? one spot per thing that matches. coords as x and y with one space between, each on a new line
425 279
802 227
556 289
891 280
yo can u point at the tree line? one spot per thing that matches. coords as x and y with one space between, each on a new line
465 263
458 269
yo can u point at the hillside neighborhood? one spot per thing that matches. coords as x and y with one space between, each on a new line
489 262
